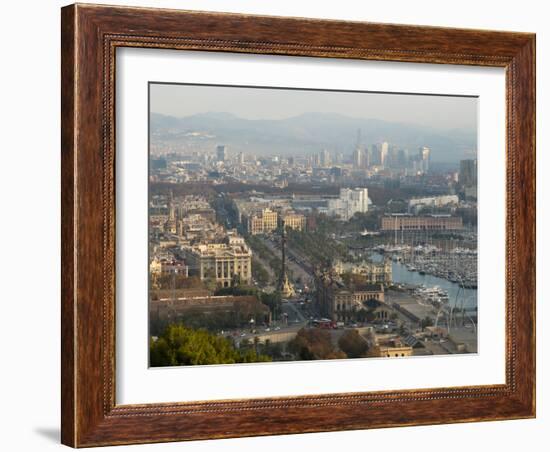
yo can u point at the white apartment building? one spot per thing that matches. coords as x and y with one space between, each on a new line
432 201
350 202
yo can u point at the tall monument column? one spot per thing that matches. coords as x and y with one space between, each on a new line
285 286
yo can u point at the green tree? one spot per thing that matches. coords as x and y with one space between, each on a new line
171 281
274 302
237 290
160 353
180 345
353 345
259 273
313 343
362 315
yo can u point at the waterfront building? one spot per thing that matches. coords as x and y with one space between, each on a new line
408 222
371 272
337 302
345 303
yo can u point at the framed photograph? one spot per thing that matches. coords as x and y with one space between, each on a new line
281 225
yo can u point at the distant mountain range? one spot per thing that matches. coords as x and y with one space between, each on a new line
308 133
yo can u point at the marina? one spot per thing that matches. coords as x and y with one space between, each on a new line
431 288
456 264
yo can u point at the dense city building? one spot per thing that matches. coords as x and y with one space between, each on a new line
168 266
263 233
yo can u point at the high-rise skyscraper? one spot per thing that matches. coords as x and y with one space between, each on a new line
220 153
324 158
467 177
424 154
367 154
358 158
384 151
402 158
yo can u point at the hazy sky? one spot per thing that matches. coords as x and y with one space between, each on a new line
266 103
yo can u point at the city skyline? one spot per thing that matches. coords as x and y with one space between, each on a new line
273 103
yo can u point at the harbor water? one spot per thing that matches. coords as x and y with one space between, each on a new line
458 296
401 274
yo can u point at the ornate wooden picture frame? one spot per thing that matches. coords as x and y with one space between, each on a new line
90 37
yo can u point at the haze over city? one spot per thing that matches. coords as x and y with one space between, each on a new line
439 112
265 120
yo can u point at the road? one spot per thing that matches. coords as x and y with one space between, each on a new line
297 270
271 273
273 333
293 311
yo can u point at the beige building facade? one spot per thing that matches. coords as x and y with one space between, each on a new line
339 303
222 262
294 221
372 272
385 351
405 222
262 222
